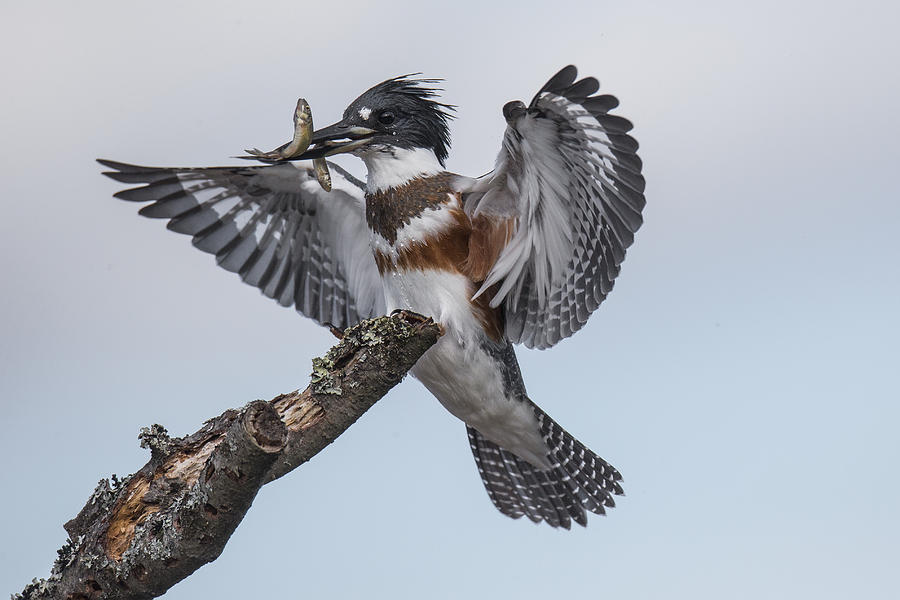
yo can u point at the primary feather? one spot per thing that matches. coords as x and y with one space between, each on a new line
569 177
275 227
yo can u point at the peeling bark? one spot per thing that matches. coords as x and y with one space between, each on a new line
136 538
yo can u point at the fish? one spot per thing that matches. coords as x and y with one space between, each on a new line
323 176
303 130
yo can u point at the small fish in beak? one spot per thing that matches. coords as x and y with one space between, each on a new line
303 131
303 134
323 176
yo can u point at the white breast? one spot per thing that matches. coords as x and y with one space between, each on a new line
441 295
458 370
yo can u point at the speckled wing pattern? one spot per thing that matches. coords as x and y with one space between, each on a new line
275 227
569 176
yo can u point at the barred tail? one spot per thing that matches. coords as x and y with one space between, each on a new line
578 480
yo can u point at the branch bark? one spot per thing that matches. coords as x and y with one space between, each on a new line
136 538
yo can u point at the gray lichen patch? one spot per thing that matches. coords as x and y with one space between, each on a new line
375 331
100 502
76 549
38 588
157 439
367 334
322 380
153 540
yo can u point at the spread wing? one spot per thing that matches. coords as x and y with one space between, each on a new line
553 219
275 227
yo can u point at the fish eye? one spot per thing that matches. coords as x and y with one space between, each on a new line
386 117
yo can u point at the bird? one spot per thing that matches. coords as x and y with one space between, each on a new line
522 255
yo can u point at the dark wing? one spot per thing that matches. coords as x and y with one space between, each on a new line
567 195
275 227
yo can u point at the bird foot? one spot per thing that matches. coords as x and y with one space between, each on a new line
408 315
415 318
335 331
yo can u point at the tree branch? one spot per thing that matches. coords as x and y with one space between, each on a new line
136 538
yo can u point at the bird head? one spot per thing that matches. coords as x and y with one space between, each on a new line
397 113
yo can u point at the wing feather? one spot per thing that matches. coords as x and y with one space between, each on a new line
569 180
273 226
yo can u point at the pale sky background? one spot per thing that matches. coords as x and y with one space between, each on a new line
743 375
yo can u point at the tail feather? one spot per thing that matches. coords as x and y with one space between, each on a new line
501 490
579 480
522 487
562 499
594 475
533 494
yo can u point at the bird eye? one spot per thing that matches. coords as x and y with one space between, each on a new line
386 117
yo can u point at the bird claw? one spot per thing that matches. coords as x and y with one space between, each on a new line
335 331
415 318
409 315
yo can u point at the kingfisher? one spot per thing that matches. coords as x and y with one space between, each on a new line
521 255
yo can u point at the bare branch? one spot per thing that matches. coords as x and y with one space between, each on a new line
136 538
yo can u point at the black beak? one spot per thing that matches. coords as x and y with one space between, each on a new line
336 139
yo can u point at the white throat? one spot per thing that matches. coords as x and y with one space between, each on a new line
390 167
